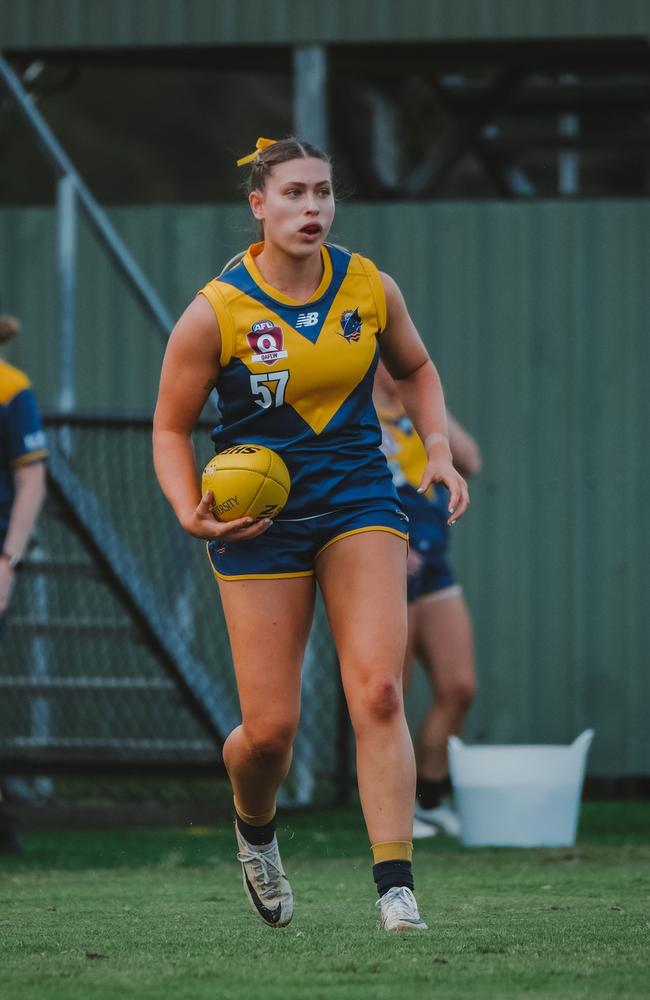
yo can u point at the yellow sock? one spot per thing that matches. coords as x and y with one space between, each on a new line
392 850
261 820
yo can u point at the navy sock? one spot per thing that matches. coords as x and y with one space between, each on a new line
388 874
258 835
429 792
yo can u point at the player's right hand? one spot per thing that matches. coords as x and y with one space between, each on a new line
439 469
203 524
414 562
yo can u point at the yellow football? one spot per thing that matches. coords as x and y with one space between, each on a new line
247 480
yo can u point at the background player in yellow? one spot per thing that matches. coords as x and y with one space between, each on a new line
439 623
22 490
290 339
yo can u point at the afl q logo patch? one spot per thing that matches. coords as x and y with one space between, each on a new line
266 341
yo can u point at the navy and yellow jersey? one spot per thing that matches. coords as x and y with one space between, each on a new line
298 377
407 458
21 436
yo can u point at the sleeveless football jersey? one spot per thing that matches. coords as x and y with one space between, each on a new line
21 437
407 458
298 377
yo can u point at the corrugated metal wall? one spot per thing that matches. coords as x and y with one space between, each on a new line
49 23
538 318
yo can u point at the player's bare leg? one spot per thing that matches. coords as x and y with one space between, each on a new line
363 580
268 625
409 654
444 644
421 830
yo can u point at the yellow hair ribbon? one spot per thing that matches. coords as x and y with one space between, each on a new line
259 146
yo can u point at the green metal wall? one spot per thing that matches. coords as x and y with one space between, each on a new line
537 316
50 23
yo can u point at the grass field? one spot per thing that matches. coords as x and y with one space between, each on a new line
161 914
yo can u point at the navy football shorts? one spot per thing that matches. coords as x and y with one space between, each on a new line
290 548
434 575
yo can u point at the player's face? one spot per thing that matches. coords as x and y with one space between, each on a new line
296 205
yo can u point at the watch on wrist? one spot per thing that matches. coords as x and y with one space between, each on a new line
11 559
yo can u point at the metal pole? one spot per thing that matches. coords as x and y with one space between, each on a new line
310 104
66 203
66 219
568 160
41 709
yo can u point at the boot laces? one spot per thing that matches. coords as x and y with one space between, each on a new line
266 871
398 904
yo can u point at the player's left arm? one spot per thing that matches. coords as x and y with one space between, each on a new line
27 450
29 485
420 390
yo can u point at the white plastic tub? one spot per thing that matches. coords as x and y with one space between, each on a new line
518 796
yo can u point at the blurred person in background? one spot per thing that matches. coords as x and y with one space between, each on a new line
439 624
22 491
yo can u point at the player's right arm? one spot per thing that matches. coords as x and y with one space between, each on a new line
189 373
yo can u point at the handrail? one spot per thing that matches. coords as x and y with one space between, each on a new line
111 420
201 690
104 229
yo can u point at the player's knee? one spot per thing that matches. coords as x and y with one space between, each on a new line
460 693
466 691
271 740
380 701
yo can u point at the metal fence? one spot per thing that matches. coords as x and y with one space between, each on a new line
116 657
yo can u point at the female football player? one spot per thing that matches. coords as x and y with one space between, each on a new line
290 338
439 624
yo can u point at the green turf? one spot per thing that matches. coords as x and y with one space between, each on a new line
160 914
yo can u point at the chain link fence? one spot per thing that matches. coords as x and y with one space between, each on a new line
116 657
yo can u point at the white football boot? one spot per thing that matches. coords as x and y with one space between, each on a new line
399 911
265 883
442 817
422 830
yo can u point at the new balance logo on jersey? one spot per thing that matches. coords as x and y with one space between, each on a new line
306 319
